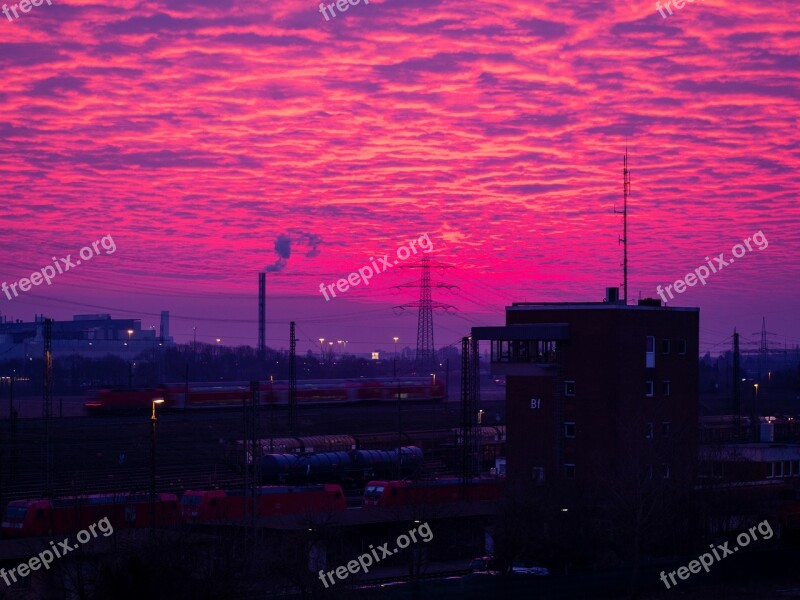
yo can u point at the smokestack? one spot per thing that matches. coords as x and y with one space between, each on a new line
262 297
164 333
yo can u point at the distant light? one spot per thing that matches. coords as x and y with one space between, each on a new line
158 401
564 510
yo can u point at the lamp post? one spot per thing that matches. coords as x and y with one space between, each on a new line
11 397
756 432
153 464
321 349
399 425
395 338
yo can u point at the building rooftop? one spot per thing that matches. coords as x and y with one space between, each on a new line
597 306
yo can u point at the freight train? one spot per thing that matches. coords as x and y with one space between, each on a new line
351 468
270 393
25 518
208 506
486 435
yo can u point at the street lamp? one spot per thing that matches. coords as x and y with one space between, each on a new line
434 378
395 338
153 463
480 416
321 348
756 432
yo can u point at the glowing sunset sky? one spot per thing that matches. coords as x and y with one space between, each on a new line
196 133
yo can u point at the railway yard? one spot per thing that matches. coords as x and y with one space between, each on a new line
196 449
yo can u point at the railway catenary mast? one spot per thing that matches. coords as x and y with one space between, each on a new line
47 407
292 400
470 389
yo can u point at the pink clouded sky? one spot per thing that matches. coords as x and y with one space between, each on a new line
196 133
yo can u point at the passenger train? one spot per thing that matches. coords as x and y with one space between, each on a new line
270 393
39 517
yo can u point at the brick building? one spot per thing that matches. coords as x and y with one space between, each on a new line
595 389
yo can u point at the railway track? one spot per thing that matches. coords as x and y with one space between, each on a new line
112 454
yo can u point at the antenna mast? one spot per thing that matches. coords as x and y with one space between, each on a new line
626 190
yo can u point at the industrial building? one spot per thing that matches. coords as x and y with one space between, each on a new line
88 335
598 389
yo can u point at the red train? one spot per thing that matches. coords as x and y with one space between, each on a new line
311 392
384 494
28 518
220 505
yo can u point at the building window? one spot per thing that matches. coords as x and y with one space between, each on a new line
569 471
665 471
681 346
523 351
569 388
787 468
569 429
778 469
648 388
648 431
665 346
796 467
650 352
666 388
665 427
770 470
